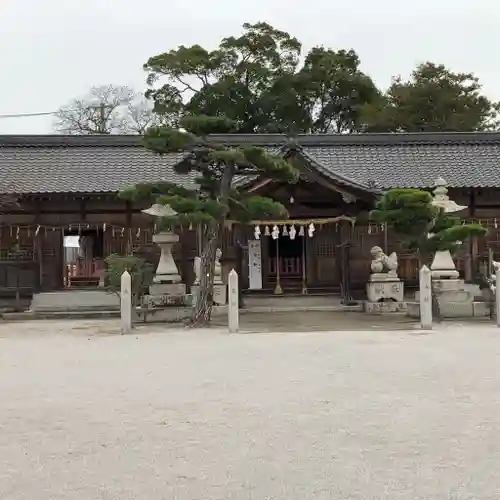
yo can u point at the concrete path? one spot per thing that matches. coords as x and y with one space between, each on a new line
177 414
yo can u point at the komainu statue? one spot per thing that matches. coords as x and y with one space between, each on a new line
384 286
383 264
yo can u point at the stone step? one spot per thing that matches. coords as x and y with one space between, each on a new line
27 315
75 301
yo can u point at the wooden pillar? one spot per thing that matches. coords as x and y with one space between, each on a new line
344 261
471 247
38 247
128 227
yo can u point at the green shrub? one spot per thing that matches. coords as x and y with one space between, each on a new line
141 272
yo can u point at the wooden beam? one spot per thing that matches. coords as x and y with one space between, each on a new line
72 211
128 225
83 209
38 247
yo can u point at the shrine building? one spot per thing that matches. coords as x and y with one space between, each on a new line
61 216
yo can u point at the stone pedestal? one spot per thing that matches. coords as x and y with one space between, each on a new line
167 271
220 294
165 294
443 267
385 294
454 300
386 290
173 289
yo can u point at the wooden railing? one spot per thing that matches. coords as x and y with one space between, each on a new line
289 267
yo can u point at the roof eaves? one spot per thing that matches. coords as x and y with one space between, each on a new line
395 139
341 179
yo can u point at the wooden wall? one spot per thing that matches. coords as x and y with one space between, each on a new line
29 259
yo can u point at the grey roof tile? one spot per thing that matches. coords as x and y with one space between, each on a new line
83 169
43 164
414 165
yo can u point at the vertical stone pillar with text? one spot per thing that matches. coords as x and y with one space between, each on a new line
233 307
425 297
126 303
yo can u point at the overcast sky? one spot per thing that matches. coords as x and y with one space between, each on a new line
54 50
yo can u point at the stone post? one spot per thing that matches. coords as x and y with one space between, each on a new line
425 298
126 303
233 307
497 295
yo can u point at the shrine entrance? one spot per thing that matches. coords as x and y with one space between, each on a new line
287 261
83 258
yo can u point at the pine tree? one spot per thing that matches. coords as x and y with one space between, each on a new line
424 227
218 197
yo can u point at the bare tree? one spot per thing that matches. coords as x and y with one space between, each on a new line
106 110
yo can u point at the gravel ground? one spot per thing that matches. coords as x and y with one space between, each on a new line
200 415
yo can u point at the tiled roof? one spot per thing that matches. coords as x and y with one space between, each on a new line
463 160
38 164
83 169
88 164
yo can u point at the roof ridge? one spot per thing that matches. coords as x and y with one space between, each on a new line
306 140
393 139
69 141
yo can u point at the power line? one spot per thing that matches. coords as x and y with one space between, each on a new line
27 115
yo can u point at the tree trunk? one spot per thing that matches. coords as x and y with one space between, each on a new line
204 301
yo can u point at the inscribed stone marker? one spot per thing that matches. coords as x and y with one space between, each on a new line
425 298
126 303
233 306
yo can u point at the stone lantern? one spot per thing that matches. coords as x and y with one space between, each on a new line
167 280
451 294
443 266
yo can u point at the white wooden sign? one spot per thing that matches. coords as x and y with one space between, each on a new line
255 264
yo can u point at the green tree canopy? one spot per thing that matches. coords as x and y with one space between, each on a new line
434 99
218 198
425 227
334 91
256 80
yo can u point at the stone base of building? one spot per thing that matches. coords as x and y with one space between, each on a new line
472 309
384 307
